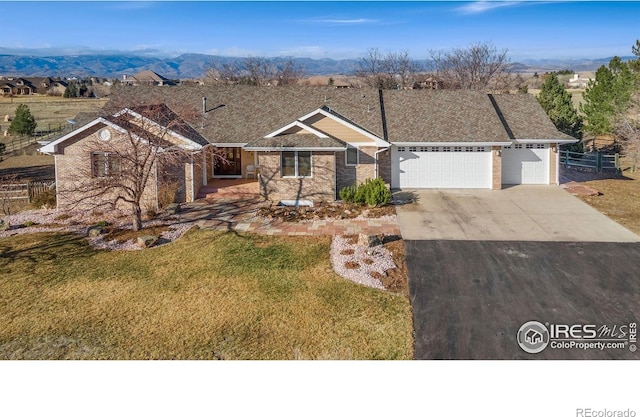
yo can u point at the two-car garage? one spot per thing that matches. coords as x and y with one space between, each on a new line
469 166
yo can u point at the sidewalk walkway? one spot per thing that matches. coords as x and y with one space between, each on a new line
241 215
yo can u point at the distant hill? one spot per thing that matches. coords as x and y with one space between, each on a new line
195 65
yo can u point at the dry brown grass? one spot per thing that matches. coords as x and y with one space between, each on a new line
619 199
207 296
48 111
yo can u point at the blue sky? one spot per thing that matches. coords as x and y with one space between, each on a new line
529 30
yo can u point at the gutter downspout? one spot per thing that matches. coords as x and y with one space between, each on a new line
375 162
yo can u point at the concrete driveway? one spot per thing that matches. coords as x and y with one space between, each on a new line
518 213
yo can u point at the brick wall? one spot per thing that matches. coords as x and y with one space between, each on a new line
74 172
496 171
319 187
553 160
349 175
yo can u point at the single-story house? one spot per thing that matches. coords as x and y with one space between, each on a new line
309 142
146 77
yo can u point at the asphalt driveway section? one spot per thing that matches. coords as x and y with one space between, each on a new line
518 213
470 297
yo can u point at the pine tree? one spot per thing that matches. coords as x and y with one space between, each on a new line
556 101
71 91
607 96
23 124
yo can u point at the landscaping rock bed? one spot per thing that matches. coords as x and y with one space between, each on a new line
360 264
335 211
100 228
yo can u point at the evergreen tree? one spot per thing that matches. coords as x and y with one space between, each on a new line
23 124
556 101
607 96
71 91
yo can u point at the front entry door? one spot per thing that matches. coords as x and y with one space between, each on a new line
232 165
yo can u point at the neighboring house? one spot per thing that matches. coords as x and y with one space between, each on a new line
146 77
578 82
309 142
36 85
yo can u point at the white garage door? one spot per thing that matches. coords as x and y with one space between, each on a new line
441 167
525 164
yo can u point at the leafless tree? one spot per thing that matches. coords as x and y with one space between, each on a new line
7 193
257 71
628 131
120 168
475 67
391 70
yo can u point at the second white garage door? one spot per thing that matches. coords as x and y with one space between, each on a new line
441 167
525 164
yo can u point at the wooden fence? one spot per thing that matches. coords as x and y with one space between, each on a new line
24 191
16 143
596 161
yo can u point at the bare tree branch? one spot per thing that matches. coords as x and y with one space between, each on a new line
474 67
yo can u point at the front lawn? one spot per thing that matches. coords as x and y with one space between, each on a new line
209 295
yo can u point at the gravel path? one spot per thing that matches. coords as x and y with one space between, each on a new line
375 259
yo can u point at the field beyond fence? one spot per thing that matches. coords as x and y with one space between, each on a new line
25 191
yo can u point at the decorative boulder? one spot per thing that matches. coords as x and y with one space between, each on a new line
94 231
173 208
369 241
147 241
4 226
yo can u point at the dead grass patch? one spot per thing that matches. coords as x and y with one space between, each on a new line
618 199
368 261
209 295
347 252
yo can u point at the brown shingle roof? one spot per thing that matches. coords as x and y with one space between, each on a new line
526 118
242 114
441 116
297 140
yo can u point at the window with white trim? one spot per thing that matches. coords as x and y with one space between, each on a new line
400 148
468 149
423 149
295 164
105 164
446 149
480 149
518 146
540 146
529 146
413 149
435 149
352 156
457 148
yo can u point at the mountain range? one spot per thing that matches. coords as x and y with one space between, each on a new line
188 66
